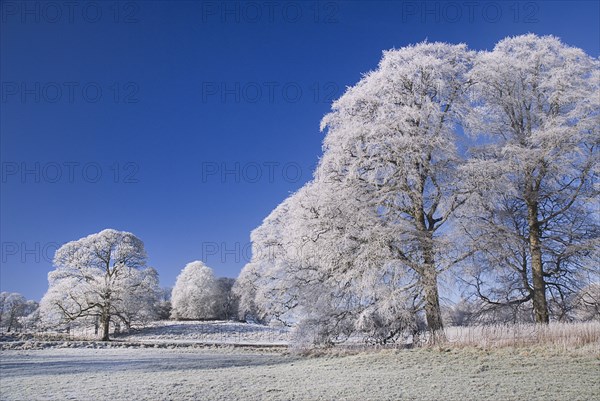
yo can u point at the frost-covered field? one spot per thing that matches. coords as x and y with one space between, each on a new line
236 374
202 361
212 332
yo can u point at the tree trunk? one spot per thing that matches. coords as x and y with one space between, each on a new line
105 325
429 276
433 312
540 306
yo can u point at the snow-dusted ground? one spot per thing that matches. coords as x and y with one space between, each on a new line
202 361
214 332
244 374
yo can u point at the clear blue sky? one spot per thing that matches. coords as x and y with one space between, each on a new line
187 122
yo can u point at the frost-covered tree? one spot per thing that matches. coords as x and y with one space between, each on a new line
323 267
535 221
195 293
587 302
361 247
226 301
244 289
266 288
391 139
164 303
349 277
100 279
13 308
140 293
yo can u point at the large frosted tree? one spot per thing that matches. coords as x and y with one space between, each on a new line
362 244
100 279
536 100
392 137
195 294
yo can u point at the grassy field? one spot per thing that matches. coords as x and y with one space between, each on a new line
233 374
211 361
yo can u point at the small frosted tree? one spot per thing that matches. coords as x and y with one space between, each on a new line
14 307
245 289
195 294
100 280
